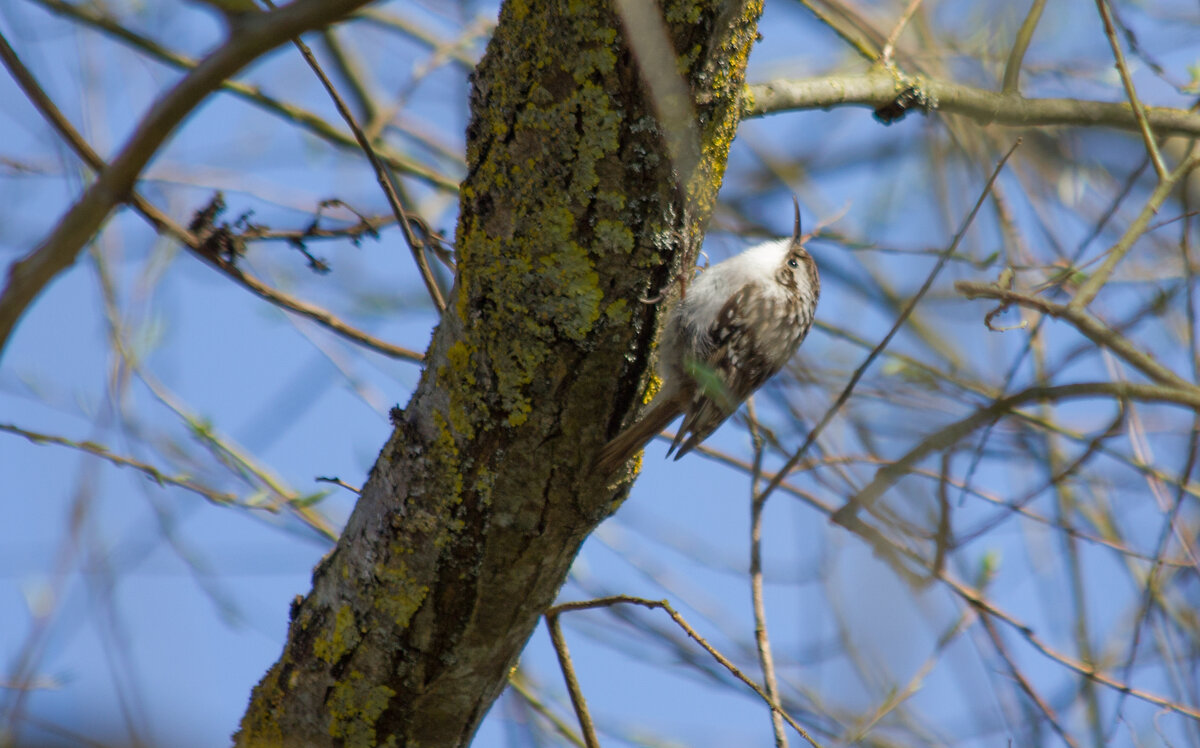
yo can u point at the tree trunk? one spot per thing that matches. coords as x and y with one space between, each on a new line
479 501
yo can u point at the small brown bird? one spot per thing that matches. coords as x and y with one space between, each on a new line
738 324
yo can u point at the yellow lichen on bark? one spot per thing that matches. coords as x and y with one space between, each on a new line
354 707
342 637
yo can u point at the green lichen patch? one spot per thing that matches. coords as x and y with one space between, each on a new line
527 282
401 593
614 236
354 707
447 460
260 726
575 310
342 637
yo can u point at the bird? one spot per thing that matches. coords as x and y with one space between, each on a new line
737 325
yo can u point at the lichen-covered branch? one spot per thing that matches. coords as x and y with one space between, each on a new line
571 212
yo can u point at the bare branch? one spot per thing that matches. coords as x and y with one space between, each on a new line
1089 326
1012 69
949 435
1138 112
879 88
1136 229
692 633
165 225
256 35
416 246
568 671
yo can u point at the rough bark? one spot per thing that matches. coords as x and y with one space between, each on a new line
479 501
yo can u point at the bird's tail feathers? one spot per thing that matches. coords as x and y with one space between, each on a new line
630 441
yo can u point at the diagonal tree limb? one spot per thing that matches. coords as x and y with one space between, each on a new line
479 501
951 434
252 37
403 220
1136 229
88 15
164 224
1135 103
1092 328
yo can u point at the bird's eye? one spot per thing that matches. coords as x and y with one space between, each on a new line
792 263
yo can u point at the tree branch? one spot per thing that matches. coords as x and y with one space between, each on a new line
949 435
164 224
878 88
1085 323
252 37
478 503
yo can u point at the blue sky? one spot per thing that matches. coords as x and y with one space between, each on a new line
147 601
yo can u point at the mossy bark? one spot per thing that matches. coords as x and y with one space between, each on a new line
478 503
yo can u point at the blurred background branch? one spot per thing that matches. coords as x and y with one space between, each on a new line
1024 569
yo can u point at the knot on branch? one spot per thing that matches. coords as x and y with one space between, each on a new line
911 96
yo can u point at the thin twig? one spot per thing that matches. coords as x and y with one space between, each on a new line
1117 252
337 482
605 602
58 250
1013 670
414 244
320 315
351 72
409 28
897 696
885 55
568 671
1012 69
1065 505
844 28
518 684
1131 92
151 472
442 53
1085 323
762 640
878 349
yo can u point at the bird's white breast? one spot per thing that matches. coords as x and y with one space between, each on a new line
705 296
